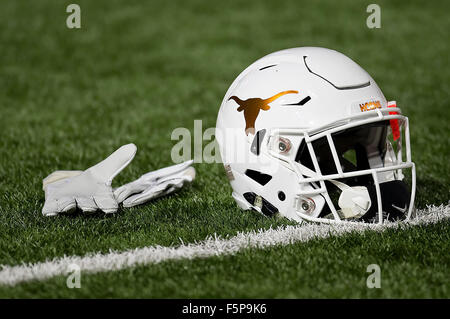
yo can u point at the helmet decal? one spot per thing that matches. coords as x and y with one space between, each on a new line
252 106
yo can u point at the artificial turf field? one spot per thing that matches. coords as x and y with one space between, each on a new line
136 71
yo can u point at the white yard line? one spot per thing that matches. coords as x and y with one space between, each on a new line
212 246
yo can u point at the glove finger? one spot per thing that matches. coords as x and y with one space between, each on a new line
168 171
124 191
154 192
106 203
120 193
187 174
141 198
171 186
134 187
50 208
67 205
138 199
87 205
115 163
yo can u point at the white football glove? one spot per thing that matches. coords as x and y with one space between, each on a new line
155 184
90 189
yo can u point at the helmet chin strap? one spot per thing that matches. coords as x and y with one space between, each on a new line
354 201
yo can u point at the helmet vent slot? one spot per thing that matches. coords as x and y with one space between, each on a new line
258 177
302 102
266 67
256 144
266 208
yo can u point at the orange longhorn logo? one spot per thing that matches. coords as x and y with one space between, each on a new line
252 106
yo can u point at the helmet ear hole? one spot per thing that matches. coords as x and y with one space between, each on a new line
281 196
258 177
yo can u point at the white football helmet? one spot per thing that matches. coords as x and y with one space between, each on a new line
308 134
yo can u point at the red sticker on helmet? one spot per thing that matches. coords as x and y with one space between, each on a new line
394 123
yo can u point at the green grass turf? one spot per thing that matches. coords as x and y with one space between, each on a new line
335 267
136 71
